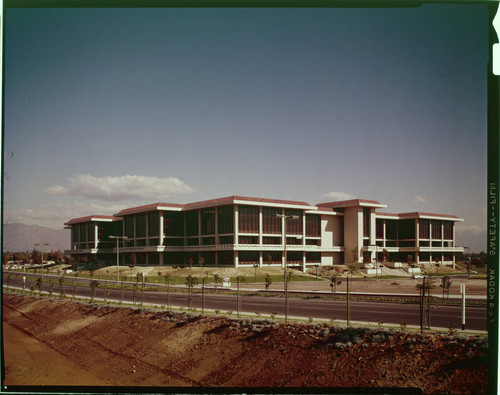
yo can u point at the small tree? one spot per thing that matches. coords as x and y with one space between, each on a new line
217 280
39 283
190 282
385 255
446 284
167 283
355 254
239 279
334 281
268 281
93 285
132 258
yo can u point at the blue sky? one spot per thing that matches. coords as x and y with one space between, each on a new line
111 108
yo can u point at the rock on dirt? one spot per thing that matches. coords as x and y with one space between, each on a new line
131 347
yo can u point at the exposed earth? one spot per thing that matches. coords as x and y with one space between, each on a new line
55 342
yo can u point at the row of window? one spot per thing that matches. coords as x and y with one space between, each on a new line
405 229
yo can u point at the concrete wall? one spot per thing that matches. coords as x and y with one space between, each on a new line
353 232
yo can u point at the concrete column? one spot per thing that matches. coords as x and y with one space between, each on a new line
236 260
283 238
236 225
96 235
417 240
261 259
162 230
304 262
199 226
260 226
384 234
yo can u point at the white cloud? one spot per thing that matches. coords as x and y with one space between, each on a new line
418 199
474 229
335 196
121 188
55 215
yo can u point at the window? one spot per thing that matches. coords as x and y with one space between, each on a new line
313 257
193 241
248 239
448 230
294 256
366 222
140 225
208 221
248 257
424 228
271 240
226 258
271 224
173 224
226 239
313 225
406 229
91 232
225 220
293 241
272 257
248 219
129 226
436 229
313 242
192 223
391 229
379 228
208 241
83 232
154 224
294 226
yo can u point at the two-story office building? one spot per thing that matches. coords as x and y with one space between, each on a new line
244 231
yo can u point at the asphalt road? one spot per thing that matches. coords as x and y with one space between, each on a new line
363 311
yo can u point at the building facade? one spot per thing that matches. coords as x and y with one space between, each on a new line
243 231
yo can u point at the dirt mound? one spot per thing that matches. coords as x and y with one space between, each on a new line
130 347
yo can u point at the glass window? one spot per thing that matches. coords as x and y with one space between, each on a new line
271 240
225 220
448 230
379 228
271 224
313 225
294 226
91 231
154 224
313 257
129 226
226 258
192 223
424 228
208 241
272 257
366 222
173 224
248 239
248 219
208 221
436 229
226 239
406 229
248 257
140 225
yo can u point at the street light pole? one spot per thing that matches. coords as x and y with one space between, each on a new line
117 256
41 248
285 274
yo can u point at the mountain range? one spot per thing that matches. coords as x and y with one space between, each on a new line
21 237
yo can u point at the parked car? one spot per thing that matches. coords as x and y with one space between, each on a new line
417 276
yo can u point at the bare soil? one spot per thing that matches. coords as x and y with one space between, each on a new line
54 342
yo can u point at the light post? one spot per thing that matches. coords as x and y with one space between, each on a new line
41 248
117 255
286 261
255 274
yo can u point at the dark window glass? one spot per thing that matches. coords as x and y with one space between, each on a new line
379 228
313 257
272 257
424 228
173 224
208 241
294 226
391 229
83 232
91 227
174 242
271 240
436 229
293 241
192 223
248 257
436 244
248 219
248 239
424 243
129 226
226 258
154 242
313 225
448 230
192 241
140 225
406 229
225 218
75 233
294 256
226 240
313 242
141 243
154 224
366 222
271 224
208 221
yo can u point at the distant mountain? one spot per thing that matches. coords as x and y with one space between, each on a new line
21 237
